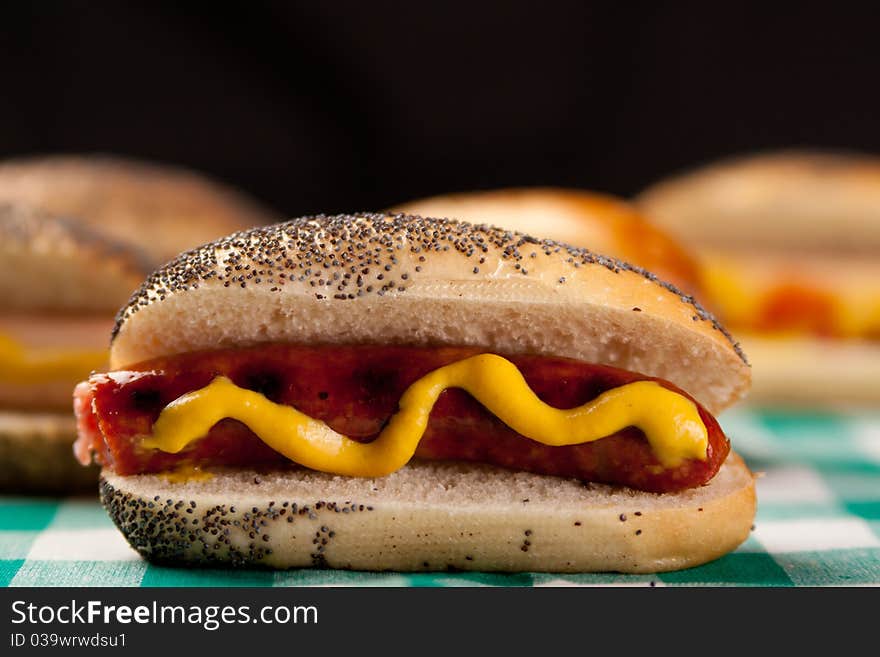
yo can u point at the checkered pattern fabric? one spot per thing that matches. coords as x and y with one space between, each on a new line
818 524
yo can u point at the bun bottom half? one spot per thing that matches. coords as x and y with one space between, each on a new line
36 455
799 372
429 516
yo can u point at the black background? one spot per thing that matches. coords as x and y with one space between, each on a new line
332 106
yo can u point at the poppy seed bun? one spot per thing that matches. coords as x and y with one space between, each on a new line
429 516
407 280
379 279
604 224
160 209
50 263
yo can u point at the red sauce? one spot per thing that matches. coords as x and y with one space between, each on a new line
355 390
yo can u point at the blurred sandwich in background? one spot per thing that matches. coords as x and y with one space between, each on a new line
789 248
77 237
601 223
158 209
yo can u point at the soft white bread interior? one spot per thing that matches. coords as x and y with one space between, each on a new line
374 279
804 371
806 200
159 208
429 516
48 263
36 454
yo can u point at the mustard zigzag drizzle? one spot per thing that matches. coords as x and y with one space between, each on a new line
670 421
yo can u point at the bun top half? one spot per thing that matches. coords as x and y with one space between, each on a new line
599 222
811 201
380 279
159 209
51 264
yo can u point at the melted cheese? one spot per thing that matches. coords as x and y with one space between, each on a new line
19 365
670 421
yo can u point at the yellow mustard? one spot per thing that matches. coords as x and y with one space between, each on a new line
739 300
670 421
729 294
185 473
860 318
18 365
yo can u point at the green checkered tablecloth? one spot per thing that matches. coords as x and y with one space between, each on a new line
818 524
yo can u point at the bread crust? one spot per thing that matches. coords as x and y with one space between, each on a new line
158 208
36 455
429 516
376 279
788 200
51 263
599 222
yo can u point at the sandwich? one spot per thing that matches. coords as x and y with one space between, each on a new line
58 287
788 244
161 209
390 392
77 237
598 222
